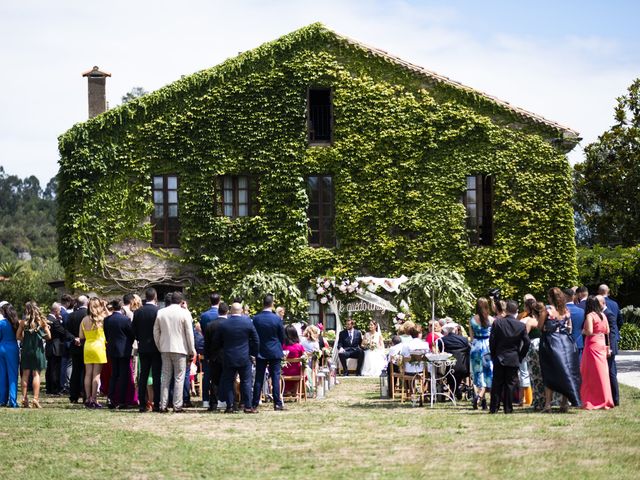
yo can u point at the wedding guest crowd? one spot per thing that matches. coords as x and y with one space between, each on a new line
563 349
573 358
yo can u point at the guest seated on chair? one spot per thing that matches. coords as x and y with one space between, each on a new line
416 343
349 342
434 334
394 351
458 346
310 339
295 349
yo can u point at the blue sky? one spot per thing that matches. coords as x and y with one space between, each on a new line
564 60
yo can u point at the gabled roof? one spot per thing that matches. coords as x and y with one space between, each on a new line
316 32
437 78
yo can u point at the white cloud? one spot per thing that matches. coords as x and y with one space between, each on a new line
46 45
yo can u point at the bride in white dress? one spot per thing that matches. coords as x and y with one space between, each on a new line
374 357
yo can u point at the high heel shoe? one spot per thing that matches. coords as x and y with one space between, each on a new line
546 409
35 403
25 403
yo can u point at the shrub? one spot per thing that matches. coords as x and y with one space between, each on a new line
631 315
629 337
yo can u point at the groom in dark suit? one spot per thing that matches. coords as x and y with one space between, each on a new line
349 342
508 344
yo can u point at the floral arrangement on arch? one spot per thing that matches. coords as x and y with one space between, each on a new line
345 289
400 318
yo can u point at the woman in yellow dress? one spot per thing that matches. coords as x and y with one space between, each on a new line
95 349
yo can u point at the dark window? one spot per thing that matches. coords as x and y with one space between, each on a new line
166 224
318 313
163 290
478 200
320 116
321 211
237 196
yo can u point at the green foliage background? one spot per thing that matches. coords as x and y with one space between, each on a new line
402 149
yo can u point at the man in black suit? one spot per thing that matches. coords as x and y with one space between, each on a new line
150 359
55 349
271 334
119 336
76 352
581 297
508 344
215 357
614 334
349 342
239 339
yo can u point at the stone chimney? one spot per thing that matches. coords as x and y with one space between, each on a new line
97 97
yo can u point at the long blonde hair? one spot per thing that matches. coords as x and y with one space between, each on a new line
97 312
33 317
312 333
136 302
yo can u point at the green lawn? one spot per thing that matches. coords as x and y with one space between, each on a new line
351 434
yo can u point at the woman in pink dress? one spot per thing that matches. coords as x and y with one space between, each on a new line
296 350
595 390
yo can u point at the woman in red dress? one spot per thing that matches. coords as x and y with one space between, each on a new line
595 390
296 350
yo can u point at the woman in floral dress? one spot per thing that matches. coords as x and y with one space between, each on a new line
481 365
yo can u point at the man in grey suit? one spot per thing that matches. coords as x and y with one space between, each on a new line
173 334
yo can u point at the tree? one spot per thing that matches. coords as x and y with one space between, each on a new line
27 217
135 92
438 291
607 183
255 286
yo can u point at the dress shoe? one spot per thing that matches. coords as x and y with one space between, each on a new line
279 408
250 410
122 406
179 410
230 410
163 410
143 410
187 405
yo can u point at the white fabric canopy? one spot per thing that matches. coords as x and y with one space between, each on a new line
391 285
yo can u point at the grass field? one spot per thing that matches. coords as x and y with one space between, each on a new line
351 434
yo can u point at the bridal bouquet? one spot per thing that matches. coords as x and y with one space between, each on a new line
369 343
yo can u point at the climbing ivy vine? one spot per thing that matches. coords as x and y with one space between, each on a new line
402 149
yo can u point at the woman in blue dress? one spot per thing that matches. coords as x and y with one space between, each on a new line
558 353
9 356
481 365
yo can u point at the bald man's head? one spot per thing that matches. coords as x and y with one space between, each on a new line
236 308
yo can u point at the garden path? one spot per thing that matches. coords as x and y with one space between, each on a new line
628 363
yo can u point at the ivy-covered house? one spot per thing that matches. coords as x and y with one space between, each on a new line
312 154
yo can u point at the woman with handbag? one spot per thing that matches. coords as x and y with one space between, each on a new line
595 390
